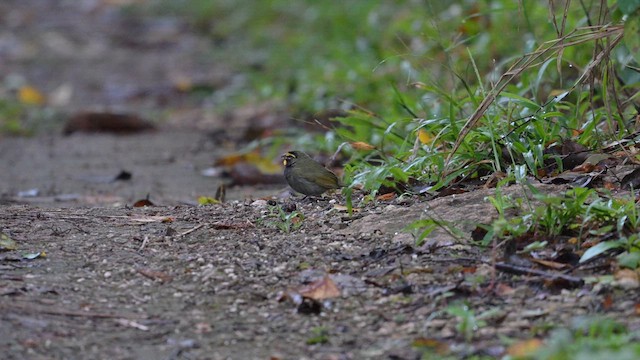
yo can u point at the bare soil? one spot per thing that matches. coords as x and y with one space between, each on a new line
181 281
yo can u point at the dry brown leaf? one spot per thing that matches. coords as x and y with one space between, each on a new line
550 264
439 346
504 290
524 348
321 289
143 203
155 275
386 197
105 122
360 145
344 208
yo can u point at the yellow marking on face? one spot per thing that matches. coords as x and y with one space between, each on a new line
286 157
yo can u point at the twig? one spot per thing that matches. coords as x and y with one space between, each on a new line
191 230
521 270
144 243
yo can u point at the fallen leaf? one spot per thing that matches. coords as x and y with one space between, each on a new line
439 346
321 289
344 208
359 145
386 197
143 203
106 123
155 275
525 348
550 264
7 243
206 200
30 95
504 290
469 270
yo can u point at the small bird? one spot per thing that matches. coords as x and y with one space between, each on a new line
306 175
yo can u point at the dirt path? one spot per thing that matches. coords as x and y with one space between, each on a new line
208 283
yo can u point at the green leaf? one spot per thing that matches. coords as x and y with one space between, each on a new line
599 249
399 174
631 38
521 100
628 7
629 260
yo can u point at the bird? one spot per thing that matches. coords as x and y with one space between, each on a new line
306 175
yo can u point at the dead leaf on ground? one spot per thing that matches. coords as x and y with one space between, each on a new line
550 264
155 275
151 218
504 290
143 202
438 346
386 197
344 208
96 122
360 145
7 243
30 95
321 289
524 349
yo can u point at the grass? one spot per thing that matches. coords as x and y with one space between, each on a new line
443 94
590 338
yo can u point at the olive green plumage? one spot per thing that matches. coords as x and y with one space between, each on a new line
307 176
